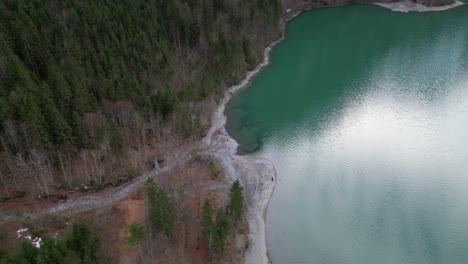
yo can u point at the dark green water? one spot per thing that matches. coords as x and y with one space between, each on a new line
365 114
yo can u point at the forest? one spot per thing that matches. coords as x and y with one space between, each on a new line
79 246
87 86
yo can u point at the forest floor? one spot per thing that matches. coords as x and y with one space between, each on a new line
187 175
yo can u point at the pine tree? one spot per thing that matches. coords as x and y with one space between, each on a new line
218 7
83 242
4 259
222 226
61 131
207 215
27 253
161 212
237 201
207 20
215 232
137 236
78 130
116 139
194 33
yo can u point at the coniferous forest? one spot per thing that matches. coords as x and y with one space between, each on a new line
86 85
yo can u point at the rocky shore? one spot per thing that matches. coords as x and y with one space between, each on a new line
257 174
410 6
294 7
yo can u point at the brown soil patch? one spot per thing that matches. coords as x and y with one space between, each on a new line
184 183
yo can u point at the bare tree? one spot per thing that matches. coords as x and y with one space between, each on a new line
39 164
10 164
97 167
29 169
62 167
4 183
84 158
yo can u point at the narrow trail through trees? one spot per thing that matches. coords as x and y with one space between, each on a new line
108 197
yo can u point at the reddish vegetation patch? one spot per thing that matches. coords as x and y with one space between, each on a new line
185 183
190 246
133 210
34 203
216 133
24 196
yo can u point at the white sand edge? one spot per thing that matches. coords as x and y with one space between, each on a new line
257 175
409 6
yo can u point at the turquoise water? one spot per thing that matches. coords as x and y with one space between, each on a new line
364 113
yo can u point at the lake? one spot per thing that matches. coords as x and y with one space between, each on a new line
364 113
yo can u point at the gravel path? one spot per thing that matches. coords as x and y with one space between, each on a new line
88 202
256 174
103 198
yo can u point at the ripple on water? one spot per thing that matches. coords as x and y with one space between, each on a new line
371 152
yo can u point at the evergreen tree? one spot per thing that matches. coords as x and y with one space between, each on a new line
137 235
60 61
161 212
237 201
79 246
218 7
194 33
4 259
215 232
222 226
61 131
207 20
55 252
83 243
116 139
27 254
207 215
78 130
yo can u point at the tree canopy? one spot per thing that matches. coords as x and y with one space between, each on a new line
80 246
237 200
85 77
161 211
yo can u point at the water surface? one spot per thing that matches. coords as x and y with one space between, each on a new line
365 114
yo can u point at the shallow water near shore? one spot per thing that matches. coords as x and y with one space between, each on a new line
364 113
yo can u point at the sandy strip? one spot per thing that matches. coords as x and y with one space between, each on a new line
409 6
257 175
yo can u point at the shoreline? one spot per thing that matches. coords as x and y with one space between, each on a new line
257 174
407 6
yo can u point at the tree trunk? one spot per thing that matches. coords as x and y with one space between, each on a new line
62 167
96 166
40 165
141 254
4 184
83 157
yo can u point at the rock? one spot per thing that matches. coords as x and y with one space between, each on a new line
435 2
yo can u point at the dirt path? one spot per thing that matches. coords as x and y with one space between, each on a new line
92 201
99 199
112 196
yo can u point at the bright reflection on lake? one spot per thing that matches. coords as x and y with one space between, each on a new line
367 124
